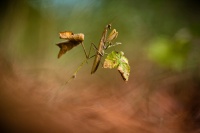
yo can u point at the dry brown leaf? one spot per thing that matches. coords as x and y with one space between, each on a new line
65 34
72 41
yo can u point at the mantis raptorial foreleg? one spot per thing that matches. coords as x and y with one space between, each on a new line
113 35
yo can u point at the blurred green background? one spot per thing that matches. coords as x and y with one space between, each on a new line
165 33
161 39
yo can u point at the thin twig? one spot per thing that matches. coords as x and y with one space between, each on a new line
74 74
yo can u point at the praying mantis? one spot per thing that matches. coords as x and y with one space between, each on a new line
102 46
76 39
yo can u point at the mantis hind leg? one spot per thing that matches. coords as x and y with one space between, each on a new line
88 55
95 48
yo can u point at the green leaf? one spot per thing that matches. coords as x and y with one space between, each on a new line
118 60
